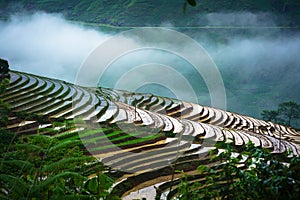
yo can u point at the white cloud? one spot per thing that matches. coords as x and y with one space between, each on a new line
260 66
47 44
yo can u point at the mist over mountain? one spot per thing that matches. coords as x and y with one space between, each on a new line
47 44
257 58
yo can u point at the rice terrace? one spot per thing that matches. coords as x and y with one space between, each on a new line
60 139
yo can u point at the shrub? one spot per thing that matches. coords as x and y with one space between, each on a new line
252 174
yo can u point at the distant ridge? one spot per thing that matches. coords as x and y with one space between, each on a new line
133 13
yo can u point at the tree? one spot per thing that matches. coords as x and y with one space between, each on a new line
290 111
4 66
4 69
287 113
270 115
253 173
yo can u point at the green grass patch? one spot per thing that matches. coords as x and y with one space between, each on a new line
129 142
86 133
101 136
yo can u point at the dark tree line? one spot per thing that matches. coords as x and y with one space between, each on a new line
4 82
288 113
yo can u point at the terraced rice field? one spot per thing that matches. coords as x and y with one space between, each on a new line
141 138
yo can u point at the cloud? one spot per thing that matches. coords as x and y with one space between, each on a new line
47 44
259 72
259 65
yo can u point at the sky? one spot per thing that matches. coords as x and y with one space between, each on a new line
259 66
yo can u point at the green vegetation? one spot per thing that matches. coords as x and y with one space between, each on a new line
4 83
128 13
290 110
121 142
4 107
56 162
287 113
53 162
251 174
40 167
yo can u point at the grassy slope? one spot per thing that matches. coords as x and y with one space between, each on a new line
147 12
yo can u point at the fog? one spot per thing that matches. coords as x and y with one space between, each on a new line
46 44
261 71
259 62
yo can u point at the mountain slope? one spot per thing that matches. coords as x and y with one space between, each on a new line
137 136
149 12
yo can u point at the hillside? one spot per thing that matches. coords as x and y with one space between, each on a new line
146 144
131 13
251 37
138 137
